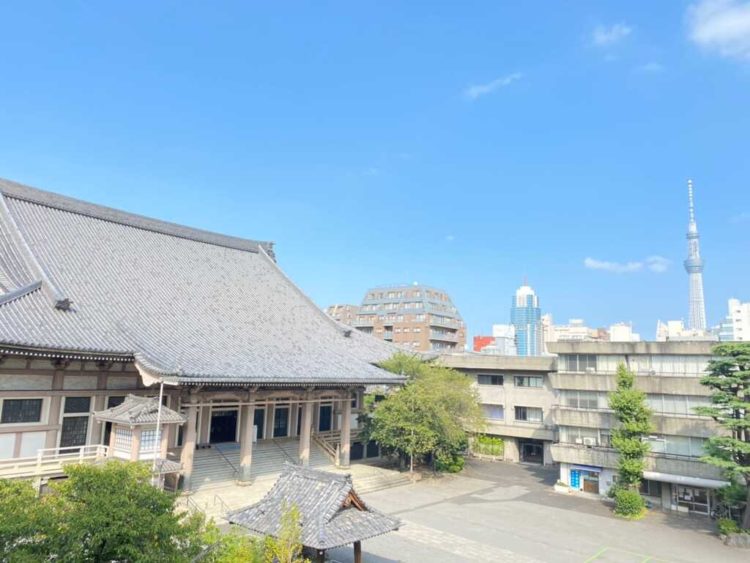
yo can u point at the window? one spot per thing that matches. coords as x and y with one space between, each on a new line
585 399
21 410
115 401
489 379
529 414
77 404
150 441
355 397
650 488
578 363
494 412
528 381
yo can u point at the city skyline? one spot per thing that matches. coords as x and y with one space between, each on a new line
464 148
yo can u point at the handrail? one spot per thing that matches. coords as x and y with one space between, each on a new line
224 505
235 471
327 449
286 454
50 460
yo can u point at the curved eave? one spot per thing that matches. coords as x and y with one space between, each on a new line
62 353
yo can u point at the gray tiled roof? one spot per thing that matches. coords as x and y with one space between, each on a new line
197 306
139 410
331 513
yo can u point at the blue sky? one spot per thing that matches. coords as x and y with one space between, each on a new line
462 145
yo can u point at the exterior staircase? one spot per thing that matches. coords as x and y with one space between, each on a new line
215 471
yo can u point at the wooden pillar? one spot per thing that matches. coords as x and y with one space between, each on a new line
55 402
188 444
164 445
321 556
135 444
112 438
346 432
247 416
357 552
305 431
204 436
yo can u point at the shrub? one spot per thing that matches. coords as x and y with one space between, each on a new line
449 464
488 445
629 503
727 526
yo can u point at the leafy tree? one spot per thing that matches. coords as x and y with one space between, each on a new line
99 513
728 377
287 546
634 423
430 415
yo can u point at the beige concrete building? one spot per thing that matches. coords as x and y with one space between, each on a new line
555 410
669 373
517 398
415 316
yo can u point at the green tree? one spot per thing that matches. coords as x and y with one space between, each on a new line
430 415
728 377
287 546
634 423
99 513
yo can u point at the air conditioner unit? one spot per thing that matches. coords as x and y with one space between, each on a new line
579 441
589 442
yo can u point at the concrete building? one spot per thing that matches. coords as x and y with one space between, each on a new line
675 331
669 372
346 314
501 343
416 316
623 332
526 317
575 331
97 304
518 399
736 325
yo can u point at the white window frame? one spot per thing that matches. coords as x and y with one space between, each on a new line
43 415
64 415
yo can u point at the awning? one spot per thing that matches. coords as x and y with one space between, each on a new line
683 480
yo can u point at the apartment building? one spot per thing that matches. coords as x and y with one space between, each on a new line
343 313
517 398
418 317
669 372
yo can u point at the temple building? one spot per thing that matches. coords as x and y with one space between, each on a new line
97 304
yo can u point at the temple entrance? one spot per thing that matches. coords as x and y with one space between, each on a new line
223 426
259 420
281 422
325 417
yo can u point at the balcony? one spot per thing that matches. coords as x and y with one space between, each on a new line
660 463
587 418
537 431
444 336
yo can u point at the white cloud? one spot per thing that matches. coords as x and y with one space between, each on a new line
604 36
722 26
478 90
650 68
656 264
450 238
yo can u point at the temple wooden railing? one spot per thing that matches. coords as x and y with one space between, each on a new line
50 461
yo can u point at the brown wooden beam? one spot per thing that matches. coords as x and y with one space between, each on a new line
357 552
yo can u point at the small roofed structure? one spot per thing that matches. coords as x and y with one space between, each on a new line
138 432
331 513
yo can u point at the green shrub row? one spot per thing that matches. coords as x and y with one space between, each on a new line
488 445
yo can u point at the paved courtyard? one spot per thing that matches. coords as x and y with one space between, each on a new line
507 512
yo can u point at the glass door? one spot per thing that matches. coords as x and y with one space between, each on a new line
281 422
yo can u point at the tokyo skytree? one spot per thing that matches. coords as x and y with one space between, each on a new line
694 268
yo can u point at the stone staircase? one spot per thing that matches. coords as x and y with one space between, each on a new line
220 464
215 491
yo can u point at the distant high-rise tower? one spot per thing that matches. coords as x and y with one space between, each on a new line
526 316
694 268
